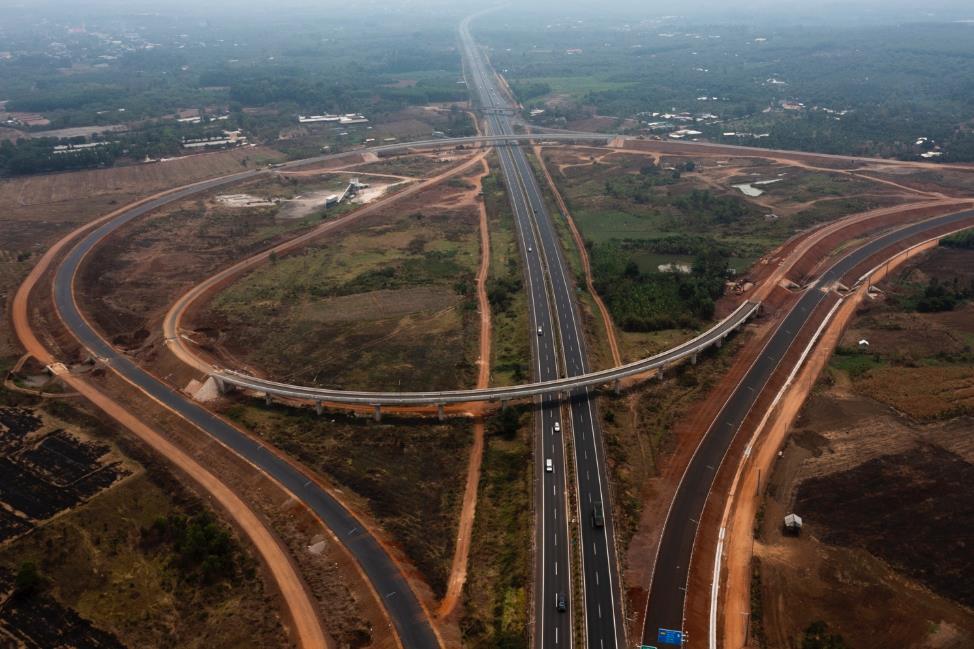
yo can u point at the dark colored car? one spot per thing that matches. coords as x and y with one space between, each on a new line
560 602
598 518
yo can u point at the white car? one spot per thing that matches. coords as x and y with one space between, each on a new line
549 465
530 249
540 331
557 427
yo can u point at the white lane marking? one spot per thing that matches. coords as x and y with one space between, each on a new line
596 577
556 568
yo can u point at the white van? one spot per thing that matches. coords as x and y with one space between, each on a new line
549 465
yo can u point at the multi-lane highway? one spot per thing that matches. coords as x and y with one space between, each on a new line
560 349
666 603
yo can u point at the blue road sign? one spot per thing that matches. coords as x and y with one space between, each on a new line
669 636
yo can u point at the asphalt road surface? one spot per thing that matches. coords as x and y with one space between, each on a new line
555 311
665 606
401 603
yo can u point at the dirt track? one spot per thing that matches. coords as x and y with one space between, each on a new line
307 628
461 553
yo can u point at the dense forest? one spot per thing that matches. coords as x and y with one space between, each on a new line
641 301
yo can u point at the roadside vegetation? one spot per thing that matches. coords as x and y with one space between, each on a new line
497 598
404 473
505 289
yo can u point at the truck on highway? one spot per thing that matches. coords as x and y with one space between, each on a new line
598 517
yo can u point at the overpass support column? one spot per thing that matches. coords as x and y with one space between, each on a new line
439 412
617 386
503 404
221 386
720 342
378 412
267 398
318 407
693 360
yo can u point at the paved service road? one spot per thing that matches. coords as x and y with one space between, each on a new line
400 601
665 606
555 310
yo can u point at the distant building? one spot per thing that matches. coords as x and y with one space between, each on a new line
313 119
353 118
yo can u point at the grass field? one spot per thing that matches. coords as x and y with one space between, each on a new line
359 309
408 474
496 599
511 348
577 87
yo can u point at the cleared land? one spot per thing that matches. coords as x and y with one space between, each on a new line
361 309
105 532
130 280
37 210
879 478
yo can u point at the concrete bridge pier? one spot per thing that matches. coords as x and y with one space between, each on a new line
439 412
661 375
693 360
221 385
720 342
318 408
267 398
378 412
503 404
617 386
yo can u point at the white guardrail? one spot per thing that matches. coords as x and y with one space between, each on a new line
714 336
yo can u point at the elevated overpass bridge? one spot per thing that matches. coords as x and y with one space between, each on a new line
228 379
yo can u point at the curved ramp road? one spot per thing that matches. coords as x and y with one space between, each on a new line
665 606
404 609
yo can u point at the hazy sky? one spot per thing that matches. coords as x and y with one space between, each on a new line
784 11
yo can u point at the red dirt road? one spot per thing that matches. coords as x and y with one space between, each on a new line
461 553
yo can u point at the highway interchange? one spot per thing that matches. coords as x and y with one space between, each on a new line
558 352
